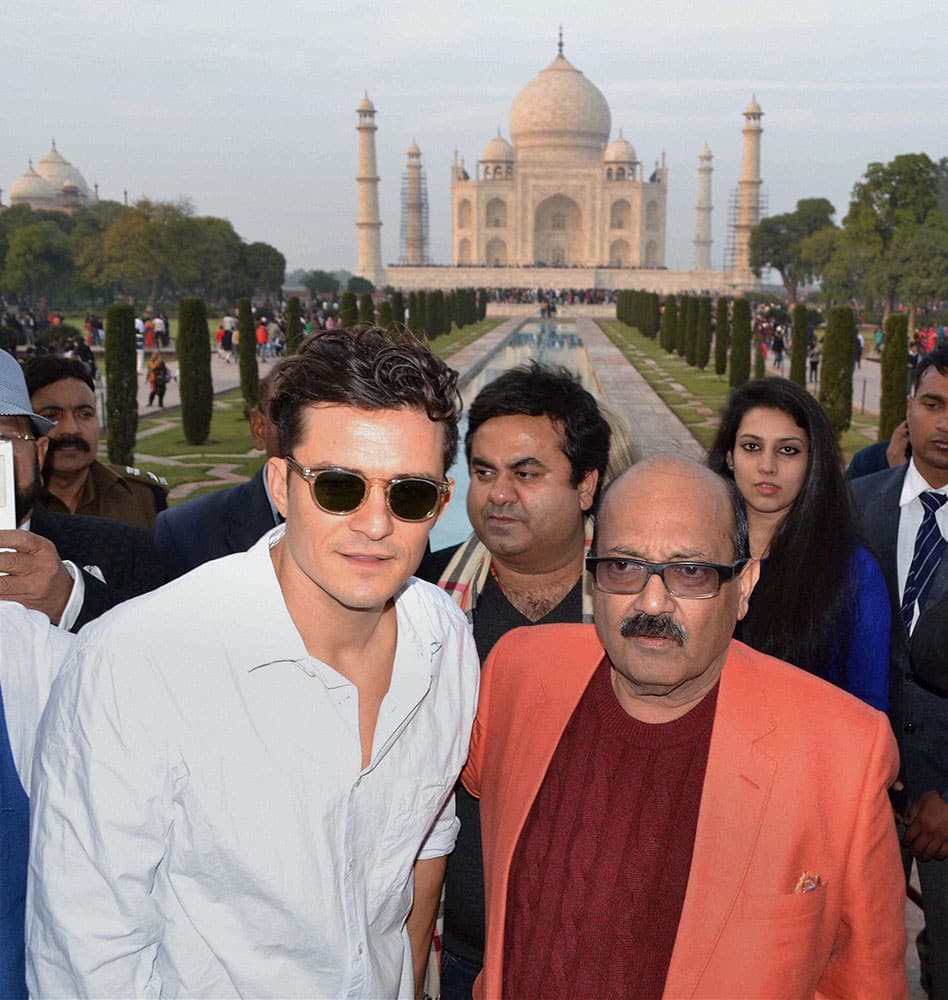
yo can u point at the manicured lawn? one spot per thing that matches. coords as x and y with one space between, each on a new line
698 397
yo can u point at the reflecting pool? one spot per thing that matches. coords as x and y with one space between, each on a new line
550 342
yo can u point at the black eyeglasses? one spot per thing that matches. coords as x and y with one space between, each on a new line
340 491
695 580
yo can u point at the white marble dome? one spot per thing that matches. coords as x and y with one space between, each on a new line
60 173
498 150
620 150
560 115
31 188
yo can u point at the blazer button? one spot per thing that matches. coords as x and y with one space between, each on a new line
909 727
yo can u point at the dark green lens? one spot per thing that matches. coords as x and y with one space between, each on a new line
413 499
338 492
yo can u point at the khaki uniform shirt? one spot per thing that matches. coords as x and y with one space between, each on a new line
117 491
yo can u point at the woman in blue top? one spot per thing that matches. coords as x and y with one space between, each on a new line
821 601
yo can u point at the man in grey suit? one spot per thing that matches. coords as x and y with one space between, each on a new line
905 516
228 520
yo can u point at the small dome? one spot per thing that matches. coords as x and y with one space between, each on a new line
705 153
498 150
31 187
413 149
366 106
753 108
560 113
620 150
59 172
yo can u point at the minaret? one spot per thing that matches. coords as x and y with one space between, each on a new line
748 203
414 209
368 224
703 212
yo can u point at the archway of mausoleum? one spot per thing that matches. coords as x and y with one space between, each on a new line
558 232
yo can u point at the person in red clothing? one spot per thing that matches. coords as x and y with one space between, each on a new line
262 339
666 812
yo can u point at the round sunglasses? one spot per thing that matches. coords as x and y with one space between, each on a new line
341 491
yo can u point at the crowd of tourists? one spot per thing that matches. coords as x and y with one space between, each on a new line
655 728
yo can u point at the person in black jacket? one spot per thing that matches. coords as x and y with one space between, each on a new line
70 567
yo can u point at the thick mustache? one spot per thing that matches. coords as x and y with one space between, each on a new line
68 441
652 627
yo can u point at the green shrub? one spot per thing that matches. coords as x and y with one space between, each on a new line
366 308
894 375
194 370
836 368
720 336
740 343
398 310
247 357
669 323
294 325
385 314
121 383
348 310
799 345
691 332
681 330
703 352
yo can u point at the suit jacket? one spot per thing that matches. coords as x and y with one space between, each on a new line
214 525
919 716
780 798
124 556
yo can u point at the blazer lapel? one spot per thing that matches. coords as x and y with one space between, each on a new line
736 791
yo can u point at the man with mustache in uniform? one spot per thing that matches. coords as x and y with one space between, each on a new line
75 481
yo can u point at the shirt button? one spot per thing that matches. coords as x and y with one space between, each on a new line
909 727
349 865
360 949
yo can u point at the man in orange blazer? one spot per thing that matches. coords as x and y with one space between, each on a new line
665 812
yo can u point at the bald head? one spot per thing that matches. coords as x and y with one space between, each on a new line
681 481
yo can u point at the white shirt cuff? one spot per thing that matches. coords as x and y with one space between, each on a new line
74 605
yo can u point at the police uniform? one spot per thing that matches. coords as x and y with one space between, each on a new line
118 491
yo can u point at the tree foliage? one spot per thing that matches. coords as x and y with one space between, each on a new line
669 323
359 285
720 336
121 383
194 369
247 356
348 310
320 283
777 241
703 320
799 345
681 328
366 308
894 375
836 368
740 343
294 324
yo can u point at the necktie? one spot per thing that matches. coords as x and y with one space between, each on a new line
929 547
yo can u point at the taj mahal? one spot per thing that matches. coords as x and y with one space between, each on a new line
560 193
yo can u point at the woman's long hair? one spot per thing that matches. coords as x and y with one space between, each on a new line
802 608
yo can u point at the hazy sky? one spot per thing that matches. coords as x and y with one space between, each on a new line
249 108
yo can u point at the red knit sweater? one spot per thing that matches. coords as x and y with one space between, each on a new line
599 874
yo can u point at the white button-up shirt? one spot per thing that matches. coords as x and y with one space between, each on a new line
910 520
202 824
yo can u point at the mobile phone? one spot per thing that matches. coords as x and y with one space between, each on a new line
7 486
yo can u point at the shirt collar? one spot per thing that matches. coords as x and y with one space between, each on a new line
915 484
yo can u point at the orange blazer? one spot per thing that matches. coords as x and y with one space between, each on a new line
796 782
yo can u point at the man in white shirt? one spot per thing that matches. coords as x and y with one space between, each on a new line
31 653
244 779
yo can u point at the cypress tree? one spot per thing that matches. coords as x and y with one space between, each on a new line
385 314
435 313
703 354
450 309
740 343
681 330
654 315
720 337
348 310
194 369
669 323
460 307
414 317
366 308
482 304
247 356
799 346
294 325
691 332
836 368
894 377
398 310
121 380
421 330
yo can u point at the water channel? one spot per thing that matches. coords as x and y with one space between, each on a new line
551 342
